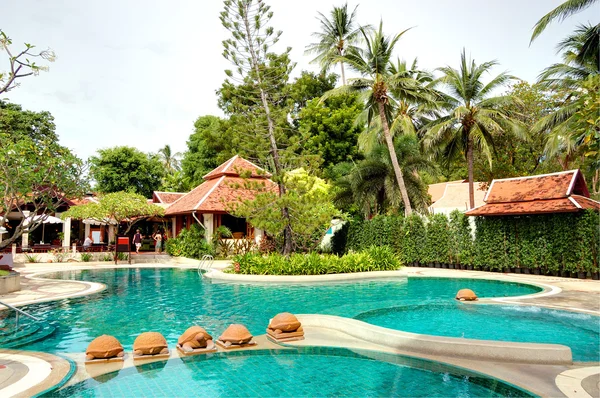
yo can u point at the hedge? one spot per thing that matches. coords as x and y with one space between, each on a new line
557 242
375 258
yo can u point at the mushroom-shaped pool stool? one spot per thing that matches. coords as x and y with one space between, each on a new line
195 340
466 295
235 336
104 348
150 345
285 327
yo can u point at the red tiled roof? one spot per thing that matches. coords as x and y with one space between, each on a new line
166 197
235 167
549 193
214 194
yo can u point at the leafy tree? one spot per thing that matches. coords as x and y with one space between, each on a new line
474 117
308 87
337 35
36 173
208 147
563 11
377 83
330 129
20 63
248 50
124 168
169 159
371 183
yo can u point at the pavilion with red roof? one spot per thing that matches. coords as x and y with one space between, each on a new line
235 180
563 192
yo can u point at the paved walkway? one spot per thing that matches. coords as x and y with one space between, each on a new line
18 369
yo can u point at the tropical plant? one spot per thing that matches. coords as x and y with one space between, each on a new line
377 85
474 116
337 35
169 159
87 257
371 183
106 257
32 258
563 11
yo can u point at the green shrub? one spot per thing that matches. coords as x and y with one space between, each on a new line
413 238
32 258
86 257
380 230
376 258
107 257
122 256
437 248
189 243
461 239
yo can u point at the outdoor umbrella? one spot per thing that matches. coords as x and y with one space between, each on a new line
46 220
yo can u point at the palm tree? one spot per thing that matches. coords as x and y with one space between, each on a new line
338 34
474 117
169 159
563 11
377 85
370 184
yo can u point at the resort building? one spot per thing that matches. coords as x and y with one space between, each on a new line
454 195
563 192
209 203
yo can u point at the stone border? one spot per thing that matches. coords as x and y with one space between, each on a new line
569 382
487 350
219 276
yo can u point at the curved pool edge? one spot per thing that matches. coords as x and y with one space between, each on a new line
219 276
485 350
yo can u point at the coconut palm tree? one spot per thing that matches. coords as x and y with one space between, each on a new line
371 183
474 116
337 35
563 11
376 85
169 159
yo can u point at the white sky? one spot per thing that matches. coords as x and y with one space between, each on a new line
139 72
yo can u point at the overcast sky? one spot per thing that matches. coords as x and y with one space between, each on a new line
139 72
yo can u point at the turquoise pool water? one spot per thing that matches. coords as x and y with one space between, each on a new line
307 372
581 332
171 300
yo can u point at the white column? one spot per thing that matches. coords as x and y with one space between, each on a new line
258 235
25 236
209 226
87 231
14 250
66 228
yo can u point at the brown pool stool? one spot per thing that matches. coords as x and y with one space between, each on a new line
285 327
195 340
150 345
104 348
236 336
466 295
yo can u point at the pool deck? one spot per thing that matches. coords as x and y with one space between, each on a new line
21 372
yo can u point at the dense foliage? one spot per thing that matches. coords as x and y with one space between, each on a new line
189 243
374 258
548 243
125 168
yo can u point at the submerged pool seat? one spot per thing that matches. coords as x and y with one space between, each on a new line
236 336
104 348
195 340
150 345
466 295
285 327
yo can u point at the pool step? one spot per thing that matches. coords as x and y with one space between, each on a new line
25 334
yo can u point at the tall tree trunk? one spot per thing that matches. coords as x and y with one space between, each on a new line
343 74
396 166
285 212
470 167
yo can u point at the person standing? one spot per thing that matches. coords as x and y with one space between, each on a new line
158 241
137 241
87 244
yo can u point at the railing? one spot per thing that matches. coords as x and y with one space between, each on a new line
205 263
19 311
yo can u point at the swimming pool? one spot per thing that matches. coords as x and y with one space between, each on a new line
525 324
171 300
302 372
